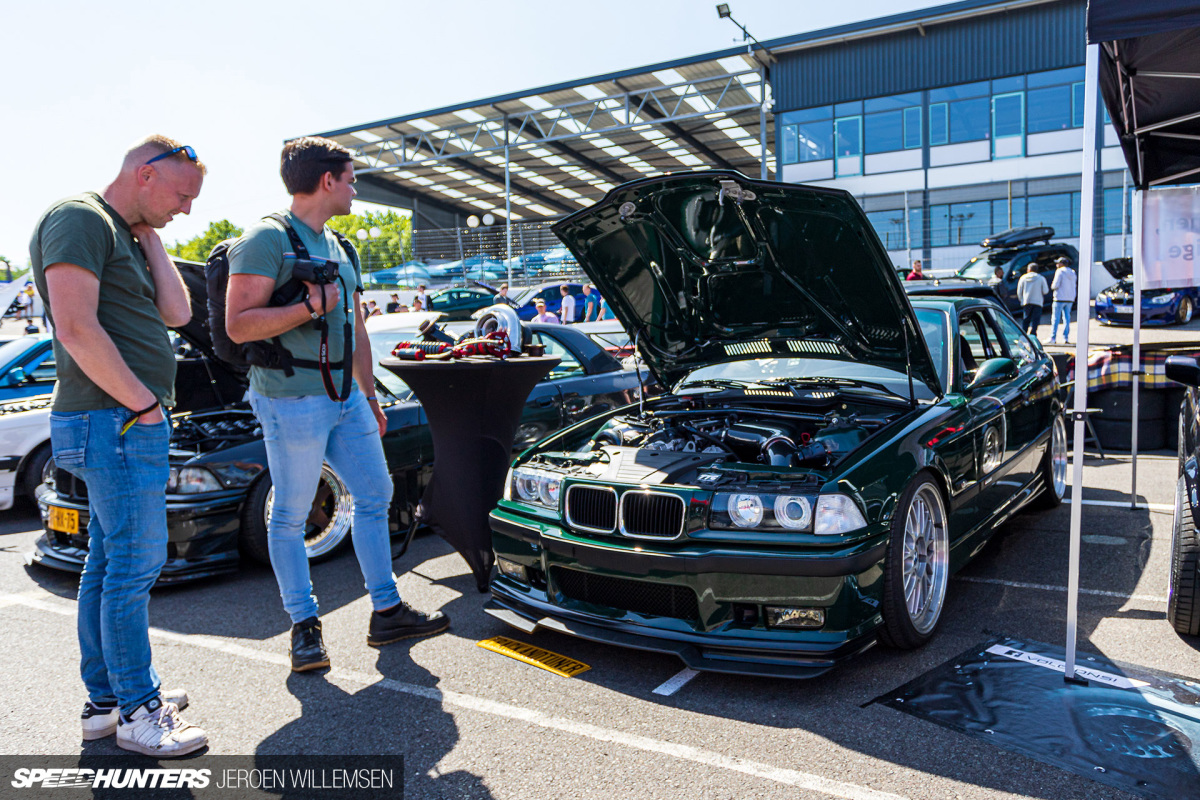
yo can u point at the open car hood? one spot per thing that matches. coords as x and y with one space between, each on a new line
704 267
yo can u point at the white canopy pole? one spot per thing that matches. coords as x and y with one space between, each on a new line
1087 216
1139 198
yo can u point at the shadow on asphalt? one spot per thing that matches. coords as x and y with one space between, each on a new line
333 720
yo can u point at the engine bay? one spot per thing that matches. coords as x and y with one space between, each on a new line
674 442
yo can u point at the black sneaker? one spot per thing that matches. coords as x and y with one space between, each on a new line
403 622
308 651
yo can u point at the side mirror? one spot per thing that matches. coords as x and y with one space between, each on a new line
1184 369
992 372
17 376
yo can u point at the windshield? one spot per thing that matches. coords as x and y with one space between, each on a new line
389 379
761 369
983 266
16 347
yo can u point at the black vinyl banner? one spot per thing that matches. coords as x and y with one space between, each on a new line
208 777
1126 726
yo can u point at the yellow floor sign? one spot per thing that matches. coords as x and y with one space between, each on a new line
552 662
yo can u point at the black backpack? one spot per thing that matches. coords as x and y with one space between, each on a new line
270 353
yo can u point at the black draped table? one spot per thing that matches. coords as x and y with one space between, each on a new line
473 405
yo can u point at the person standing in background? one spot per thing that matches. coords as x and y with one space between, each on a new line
1031 292
1063 286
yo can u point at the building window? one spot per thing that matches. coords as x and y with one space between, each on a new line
806 135
889 225
969 120
916 227
1077 105
847 133
939 127
885 131
1118 218
1058 211
1008 125
912 128
1008 214
1050 109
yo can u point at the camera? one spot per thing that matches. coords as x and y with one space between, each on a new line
315 270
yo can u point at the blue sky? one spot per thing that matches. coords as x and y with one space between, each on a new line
83 80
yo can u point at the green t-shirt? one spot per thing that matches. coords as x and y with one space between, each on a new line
86 231
265 250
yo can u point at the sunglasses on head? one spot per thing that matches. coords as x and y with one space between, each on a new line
183 148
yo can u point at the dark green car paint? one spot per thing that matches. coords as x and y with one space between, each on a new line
942 438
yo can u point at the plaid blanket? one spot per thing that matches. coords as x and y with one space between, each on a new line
1113 368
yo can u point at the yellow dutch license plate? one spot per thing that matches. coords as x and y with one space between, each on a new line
535 656
65 520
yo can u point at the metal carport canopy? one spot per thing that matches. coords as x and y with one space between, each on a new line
569 143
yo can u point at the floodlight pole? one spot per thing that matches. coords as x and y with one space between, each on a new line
1087 241
507 205
762 118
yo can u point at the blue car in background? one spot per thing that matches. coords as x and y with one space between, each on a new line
550 293
1114 305
27 367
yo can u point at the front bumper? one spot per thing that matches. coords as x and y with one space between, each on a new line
201 536
721 591
1151 315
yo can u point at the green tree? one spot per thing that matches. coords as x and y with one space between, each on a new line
393 244
198 247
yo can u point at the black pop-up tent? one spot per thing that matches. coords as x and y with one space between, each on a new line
1145 58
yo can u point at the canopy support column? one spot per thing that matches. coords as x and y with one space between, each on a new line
507 205
1136 369
1087 242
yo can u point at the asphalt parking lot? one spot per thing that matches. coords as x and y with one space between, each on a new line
472 723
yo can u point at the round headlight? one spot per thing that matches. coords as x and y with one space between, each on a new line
548 488
794 513
527 485
745 510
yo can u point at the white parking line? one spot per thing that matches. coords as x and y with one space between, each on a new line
1167 507
676 683
788 777
1145 598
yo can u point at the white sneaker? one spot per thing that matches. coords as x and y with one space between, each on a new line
101 721
156 729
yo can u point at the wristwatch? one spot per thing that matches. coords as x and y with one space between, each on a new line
311 311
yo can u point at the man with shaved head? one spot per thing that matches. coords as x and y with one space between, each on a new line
111 291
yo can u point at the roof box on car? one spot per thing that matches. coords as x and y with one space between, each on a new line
1019 236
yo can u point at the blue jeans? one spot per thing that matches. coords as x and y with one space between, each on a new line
1031 318
300 433
126 477
1061 311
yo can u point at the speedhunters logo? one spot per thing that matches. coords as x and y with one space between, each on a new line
204 777
57 778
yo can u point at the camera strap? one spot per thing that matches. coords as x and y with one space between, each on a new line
323 364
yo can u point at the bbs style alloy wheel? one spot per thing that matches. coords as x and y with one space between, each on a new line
325 529
1054 466
917 571
1183 314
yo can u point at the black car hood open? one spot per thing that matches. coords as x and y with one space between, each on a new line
703 267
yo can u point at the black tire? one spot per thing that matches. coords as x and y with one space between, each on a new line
328 525
1174 411
901 629
1183 314
1117 404
1052 494
1118 434
1183 590
31 473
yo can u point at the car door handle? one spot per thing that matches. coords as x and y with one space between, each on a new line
545 402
